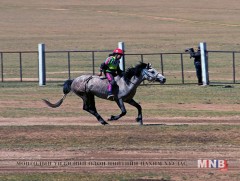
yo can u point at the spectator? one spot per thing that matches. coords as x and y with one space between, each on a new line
197 62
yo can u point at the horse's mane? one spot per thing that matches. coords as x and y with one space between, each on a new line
134 71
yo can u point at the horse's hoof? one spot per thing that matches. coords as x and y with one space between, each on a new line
104 123
112 118
139 120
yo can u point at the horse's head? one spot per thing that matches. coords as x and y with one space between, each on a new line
151 74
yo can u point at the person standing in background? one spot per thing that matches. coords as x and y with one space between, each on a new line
197 62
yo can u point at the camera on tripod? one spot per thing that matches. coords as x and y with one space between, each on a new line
189 50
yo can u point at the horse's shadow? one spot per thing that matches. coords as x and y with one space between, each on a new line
157 124
161 124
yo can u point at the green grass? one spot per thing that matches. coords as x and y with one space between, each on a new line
24 100
155 26
117 137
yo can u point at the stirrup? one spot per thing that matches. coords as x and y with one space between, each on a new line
110 97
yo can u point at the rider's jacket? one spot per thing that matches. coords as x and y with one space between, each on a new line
111 65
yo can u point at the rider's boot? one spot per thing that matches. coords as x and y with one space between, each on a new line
110 96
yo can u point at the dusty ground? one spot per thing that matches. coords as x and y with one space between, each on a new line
91 121
178 161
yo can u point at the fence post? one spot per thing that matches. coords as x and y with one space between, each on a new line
20 65
1 65
234 68
41 65
69 65
122 60
204 63
182 68
93 62
161 58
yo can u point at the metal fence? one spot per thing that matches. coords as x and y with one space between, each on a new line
224 66
22 66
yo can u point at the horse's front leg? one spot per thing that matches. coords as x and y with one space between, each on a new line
123 109
139 108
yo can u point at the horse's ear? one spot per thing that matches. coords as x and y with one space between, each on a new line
149 65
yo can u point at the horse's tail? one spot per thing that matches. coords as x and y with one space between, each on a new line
66 89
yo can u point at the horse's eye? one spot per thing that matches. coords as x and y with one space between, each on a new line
152 72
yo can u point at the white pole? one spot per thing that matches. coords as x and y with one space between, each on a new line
204 63
41 65
122 60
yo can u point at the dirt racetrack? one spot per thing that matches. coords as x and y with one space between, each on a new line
91 121
173 147
179 161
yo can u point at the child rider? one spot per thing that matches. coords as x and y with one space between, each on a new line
111 69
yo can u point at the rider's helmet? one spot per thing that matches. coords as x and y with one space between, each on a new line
118 51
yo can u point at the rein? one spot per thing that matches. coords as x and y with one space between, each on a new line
131 81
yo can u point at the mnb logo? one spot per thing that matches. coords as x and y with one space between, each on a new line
221 164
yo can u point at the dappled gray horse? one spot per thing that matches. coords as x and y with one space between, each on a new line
88 86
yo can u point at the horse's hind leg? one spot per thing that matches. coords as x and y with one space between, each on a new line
89 106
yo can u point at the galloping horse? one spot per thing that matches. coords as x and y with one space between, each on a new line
88 86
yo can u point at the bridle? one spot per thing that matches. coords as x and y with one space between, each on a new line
145 72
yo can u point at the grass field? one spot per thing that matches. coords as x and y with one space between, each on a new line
181 121
24 100
152 26
145 27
